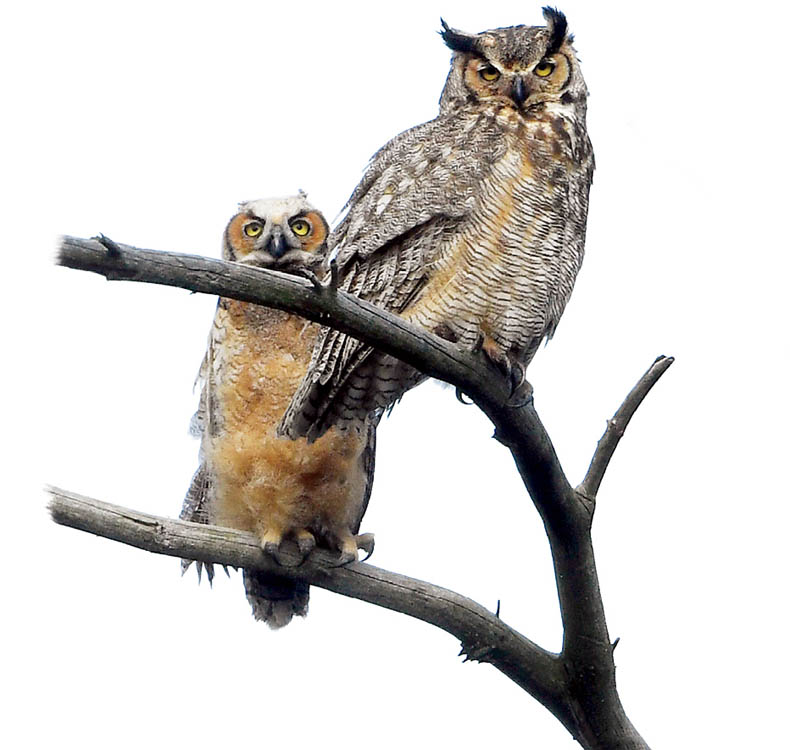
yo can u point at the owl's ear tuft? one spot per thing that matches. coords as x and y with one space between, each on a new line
457 40
558 28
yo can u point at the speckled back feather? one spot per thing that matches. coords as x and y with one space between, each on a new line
471 225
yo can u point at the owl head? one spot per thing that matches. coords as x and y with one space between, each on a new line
522 67
277 233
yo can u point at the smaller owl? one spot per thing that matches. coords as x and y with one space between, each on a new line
249 478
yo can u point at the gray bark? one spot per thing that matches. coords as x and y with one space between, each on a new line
578 684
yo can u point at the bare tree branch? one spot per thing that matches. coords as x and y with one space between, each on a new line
520 429
483 635
584 697
615 427
335 308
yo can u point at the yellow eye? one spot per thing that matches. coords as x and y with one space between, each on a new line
253 229
544 68
488 73
300 227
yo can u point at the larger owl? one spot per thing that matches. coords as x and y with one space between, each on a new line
471 225
249 478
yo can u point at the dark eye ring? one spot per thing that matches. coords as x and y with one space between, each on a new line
253 229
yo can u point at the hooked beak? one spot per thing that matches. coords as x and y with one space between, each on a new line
276 246
520 91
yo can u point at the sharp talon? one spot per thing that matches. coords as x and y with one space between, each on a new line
185 566
498 602
522 395
112 247
333 274
199 568
210 573
306 544
520 389
227 572
273 550
311 277
344 558
365 542
518 376
459 394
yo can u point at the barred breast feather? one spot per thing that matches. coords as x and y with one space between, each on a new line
471 226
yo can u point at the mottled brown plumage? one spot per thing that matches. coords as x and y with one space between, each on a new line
471 225
250 478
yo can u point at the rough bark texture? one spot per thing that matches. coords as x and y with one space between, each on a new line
578 684
484 637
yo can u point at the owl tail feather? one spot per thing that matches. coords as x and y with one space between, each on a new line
275 600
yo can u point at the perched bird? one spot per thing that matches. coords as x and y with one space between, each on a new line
249 478
471 225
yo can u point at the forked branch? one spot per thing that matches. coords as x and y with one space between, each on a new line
615 427
483 635
578 684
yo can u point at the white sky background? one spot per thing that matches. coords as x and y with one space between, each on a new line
149 123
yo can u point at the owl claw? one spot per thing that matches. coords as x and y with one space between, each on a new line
306 543
344 558
334 276
521 390
310 275
495 355
366 543
512 369
349 547
272 549
459 394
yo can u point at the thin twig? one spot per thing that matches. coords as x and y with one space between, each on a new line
615 428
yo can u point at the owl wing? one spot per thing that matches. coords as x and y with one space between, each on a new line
574 186
417 189
368 459
200 495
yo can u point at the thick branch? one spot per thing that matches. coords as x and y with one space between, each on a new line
590 706
484 636
616 427
520 429
335 308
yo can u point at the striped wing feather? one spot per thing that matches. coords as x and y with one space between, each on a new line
416 189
